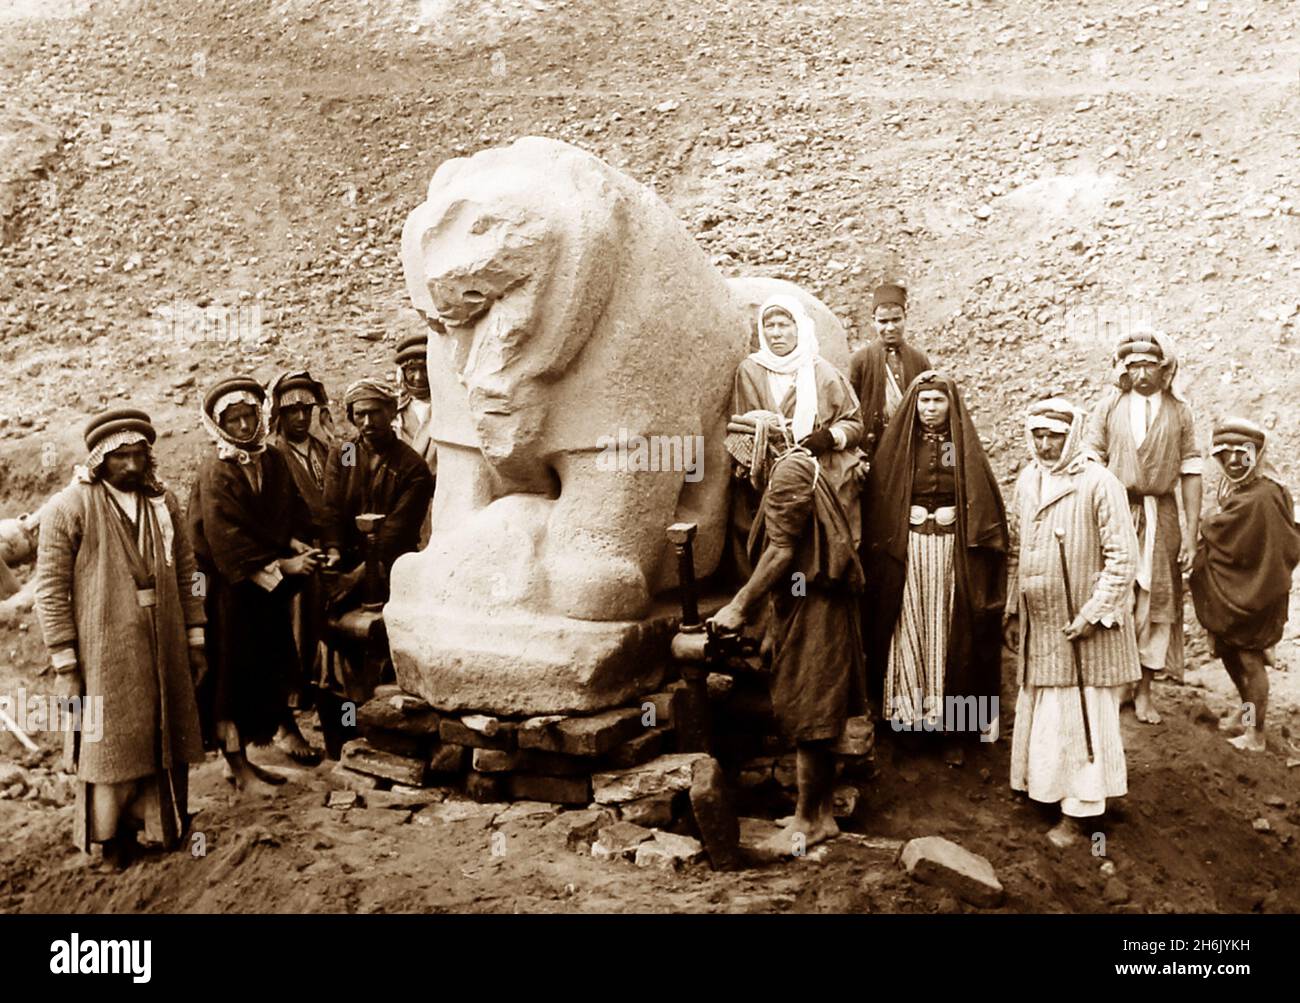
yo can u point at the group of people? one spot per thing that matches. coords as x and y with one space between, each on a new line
884 570
202 628
877 556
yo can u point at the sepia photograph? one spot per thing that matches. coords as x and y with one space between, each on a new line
659 461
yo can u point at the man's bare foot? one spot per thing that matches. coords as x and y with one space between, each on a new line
799 834
290 741
1251 740
1064 833
1145 709
248 778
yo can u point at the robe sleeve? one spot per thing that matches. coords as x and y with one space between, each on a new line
333 501
1119 547
410 505
56 550
236 546
1013 551
1095 436
186 568
1189 452
843 412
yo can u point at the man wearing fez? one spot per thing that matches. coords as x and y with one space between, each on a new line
1066 500
1142 429
882 370
1241 575
297 403
250 527
806 571
123 622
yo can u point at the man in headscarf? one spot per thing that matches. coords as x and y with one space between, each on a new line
1143 430
807 575
798 398
250 526
883 370
299 402
375 473
1241 577
1065 491
114 593
936 547
414 407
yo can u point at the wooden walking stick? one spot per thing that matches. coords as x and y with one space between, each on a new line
1074 647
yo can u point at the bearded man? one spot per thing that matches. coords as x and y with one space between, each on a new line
123 623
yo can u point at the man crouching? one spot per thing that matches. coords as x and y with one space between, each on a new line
806 567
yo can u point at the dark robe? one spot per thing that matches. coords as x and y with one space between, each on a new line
979 556
396 483
311 489
817 678
251 653
1241 576
867 374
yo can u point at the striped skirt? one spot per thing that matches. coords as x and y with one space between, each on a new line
918 650
1049 754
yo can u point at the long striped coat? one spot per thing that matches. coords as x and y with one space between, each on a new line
1102 550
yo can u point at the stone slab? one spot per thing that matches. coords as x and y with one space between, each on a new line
663 774
938 861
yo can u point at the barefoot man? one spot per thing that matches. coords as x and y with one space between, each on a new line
806 567
1065 489
1241 578
1143 431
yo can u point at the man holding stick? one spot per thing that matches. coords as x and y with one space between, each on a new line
1076 650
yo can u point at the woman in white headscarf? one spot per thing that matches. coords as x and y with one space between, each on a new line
801 400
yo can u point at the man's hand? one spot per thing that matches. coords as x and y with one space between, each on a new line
1079 629
332 558
728 620
1011 631
198 665
300 564
818 442
69 684
1187 553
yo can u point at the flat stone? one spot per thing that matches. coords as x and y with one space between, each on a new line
402 712
593 735
400 743
561 790
377 818
552 764
482 724
360 756
456 732
638 750
539 811
406 798
857 739
578 828
496 760
342 799
619 840
715 815
938 861
669 851
461 811
666 773
657 809
352 780
663 706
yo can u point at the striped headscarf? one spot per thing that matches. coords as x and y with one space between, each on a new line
1056 414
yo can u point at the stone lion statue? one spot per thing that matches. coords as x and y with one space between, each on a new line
573 322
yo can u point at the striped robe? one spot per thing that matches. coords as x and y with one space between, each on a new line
1092 508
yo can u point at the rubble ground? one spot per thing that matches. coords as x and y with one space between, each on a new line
189 190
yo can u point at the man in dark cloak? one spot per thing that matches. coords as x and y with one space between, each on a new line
250 525
1241 574
114 594
882 371
806 570
301 430
937 480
